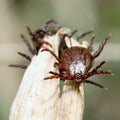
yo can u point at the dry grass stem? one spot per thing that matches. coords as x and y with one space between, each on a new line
38 99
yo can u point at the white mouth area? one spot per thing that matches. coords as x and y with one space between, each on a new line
77 67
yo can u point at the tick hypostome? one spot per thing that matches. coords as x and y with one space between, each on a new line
75 63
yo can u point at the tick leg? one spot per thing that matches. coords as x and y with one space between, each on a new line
84 34
38 34
51 77
43 42
56 65
28 45
25 56
35 39
54 73
57 75
97 73
59 60
94 83
98 66
18 66
73 33
52 54
29 31
91 44
97 53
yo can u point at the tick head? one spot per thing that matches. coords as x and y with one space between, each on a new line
77 77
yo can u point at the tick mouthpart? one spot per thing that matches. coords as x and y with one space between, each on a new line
77 77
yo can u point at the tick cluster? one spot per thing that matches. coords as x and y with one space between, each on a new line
74 62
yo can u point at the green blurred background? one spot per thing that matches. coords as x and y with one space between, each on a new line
102 15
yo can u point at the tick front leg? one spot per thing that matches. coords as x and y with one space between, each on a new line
97 53
55 75
50 51
51 77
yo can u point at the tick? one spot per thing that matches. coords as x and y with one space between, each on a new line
37 37
50 28
75 63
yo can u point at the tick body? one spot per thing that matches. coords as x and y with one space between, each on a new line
75 63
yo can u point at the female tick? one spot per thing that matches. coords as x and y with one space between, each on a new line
75 63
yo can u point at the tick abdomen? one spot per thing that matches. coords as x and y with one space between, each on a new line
76 59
